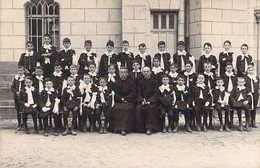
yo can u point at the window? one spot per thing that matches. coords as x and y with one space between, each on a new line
164 21
42 17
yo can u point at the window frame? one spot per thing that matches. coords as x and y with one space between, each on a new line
167 13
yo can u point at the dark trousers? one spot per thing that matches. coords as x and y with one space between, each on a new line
199 112
186 116
87 113
166 110
74 117
219 110
107 114
34 117
19 115
239 112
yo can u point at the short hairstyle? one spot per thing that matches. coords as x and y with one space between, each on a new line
155 58
20 67
207 63
29 78
57 63
85 74
165 76
174 65
181 43
92 63
88 42
38 67
201 74
135 61
241 78
219 78
142 45
111 65
207 44
73 66
124 68
47 35
29 42
48 80
227 41
189 62
125 42
161 43
110 43
102 78
229 63
251 66
180 76
66 40
244 45
71 77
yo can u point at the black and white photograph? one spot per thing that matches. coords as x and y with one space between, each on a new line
129 83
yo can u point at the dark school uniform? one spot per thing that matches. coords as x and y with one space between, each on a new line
157 73
190 79
95 78
126 59
106 59
210 79
224 58
242 63
207 58
28 60
136 75
66 59
144 60
84 60
173 78
165 59
111 80
230 81
180 58
78 79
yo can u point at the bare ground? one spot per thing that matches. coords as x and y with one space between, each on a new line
197 149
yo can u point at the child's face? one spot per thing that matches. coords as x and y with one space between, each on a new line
165 80
102 83
38 72
71 81
251 71
244 49
136 66
227 46
28 82
181 48
73 71
57 68
229 68
111 70
220 83
29 47
49 84
207 67
125 46
20 71
207 49
88 47
142 49
156 62
161 47
180 81
200 79
47 40
110 49
173 69
87 79
241 82
92 68
66 44
188 67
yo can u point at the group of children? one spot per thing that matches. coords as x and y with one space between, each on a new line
48 85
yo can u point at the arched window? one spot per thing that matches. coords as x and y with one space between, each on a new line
42 16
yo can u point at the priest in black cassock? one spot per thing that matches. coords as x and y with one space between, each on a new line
124 108
147 112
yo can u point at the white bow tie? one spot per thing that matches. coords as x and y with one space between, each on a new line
89 53
207 55
229 74
28 54
19 78
188 73
241 87
244 56
201 85
71 87
143 56
220 88
111 77
127 52
74 76
164 87
228 53
173 75
208 73
162 52
66 49
31 89
47 46
40 78
102 89
253 77
49 90
157 70
180 88
57 73
109 54
92 73
181 53
136 71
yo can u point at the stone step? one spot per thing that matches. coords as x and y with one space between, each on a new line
6 93
8 67
6 103
7 112
6 80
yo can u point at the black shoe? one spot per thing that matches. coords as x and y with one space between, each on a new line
27 131
188 129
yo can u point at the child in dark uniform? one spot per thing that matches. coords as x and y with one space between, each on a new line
173 74
252 82
28 99
66 57
28 59
86 58
93 74
143 58
225 57
163 57
112 77
157 70
241 95
108 58
136 74
17 86
243 61
47 56
165 104
126 57
75 75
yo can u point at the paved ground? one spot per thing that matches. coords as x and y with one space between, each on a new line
204 150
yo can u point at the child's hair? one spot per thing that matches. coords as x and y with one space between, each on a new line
110 43
201 74
111 65
219 78
73 66
189 62
71 77
174 65
29 42
92 63
165 76
66 40
125 68
85 74
156 59
241 78
180 76
88 42
20 67
29 78
207 63
227 41
48 80
39 67
142 45
56 64
250 66
244 45
125 42
161 43
207 44
102 78
47 35
135 61
229 63
181 43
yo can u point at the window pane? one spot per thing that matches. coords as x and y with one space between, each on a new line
163 21
171 21
51 10
30 28
57 10
33 27
34 10
39 9
155 21
39 41
40 27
